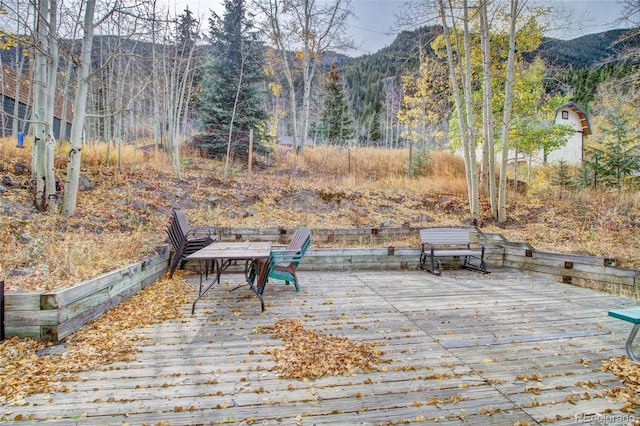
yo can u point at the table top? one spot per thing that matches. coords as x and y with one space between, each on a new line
629 314
233 250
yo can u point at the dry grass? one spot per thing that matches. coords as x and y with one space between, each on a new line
43 251
376 169
124 217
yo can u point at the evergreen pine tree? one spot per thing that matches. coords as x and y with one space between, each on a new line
584 176
615 160
592 172
621 157
187 33
232 86
335 123
562 177
185 66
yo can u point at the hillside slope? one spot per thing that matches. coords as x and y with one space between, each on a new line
124 216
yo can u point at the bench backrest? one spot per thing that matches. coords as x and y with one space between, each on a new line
283 263
444 236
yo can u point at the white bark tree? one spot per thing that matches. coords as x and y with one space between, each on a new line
506 115
472 169
84 76
488 178
309 28
79 112
180 69
44 81
462 99
456 17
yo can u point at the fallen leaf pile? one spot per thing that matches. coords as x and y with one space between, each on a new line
309 354
108 339
629 374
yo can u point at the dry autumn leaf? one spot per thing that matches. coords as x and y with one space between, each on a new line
94 346
309 354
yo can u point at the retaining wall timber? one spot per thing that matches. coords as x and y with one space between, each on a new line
53 315
401 247
595 272
329 237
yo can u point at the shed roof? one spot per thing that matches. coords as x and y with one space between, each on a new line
584 118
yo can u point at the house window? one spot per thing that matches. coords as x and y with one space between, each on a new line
565 115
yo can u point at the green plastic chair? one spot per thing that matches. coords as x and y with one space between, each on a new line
284 263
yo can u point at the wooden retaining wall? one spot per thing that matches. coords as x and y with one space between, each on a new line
401 247
53 315
329 237
594 272
361 259
56 314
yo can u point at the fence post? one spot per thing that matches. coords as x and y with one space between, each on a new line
1 310
250 162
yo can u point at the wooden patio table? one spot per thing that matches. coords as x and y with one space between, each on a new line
223 254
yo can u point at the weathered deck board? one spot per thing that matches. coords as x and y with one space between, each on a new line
471 343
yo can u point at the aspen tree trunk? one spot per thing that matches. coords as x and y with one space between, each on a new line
516 169
233 117
172 133
52 202
467 143
308 68
293 107
118 103
155 90
170 94
124 76
272 9
488 164
79 112
506 118
474 196
42 123
181 81
67 81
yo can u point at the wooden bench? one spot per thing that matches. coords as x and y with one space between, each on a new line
186 240
284 263
631 315
451 243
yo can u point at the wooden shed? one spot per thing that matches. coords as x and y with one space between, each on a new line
572 152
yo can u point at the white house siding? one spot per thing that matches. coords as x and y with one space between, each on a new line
571 153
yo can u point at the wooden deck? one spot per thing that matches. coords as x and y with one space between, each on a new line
464 348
